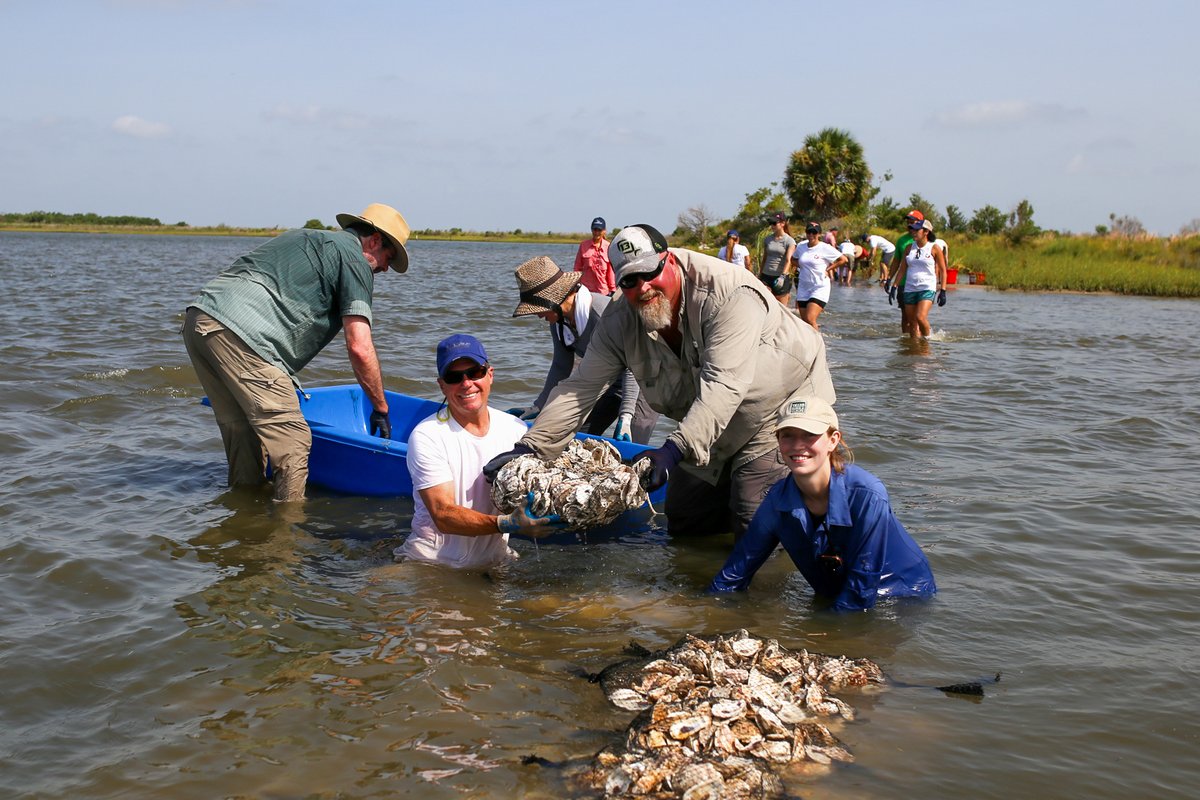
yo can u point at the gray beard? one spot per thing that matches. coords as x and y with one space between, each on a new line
656 314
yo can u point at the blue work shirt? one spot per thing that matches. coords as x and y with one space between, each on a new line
877 556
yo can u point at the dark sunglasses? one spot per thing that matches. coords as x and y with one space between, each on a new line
475 373
630 281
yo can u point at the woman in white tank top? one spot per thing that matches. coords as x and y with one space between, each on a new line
923 275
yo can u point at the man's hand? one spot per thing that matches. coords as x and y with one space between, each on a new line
492 467
624 425
524 521
892 294
662 461
380 422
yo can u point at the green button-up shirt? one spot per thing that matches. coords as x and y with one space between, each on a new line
286 299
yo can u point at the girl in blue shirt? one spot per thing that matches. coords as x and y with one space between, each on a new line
833 518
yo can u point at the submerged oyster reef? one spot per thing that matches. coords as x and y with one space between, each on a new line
720 716
587 485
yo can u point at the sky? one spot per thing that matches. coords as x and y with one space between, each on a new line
541 115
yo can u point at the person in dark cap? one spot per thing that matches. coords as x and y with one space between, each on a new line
734 251
573 312
454 521
775 271
592 261
259 322
710 348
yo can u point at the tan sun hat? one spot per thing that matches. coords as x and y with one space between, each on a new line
543 286
808 413
390 223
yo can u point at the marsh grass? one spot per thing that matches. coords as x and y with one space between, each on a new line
1143 266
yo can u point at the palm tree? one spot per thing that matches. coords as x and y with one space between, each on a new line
828 177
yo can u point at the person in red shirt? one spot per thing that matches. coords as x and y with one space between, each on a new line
592 261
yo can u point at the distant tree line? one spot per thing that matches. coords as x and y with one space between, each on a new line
58 218
828 181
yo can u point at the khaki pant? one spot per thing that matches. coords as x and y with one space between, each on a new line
696 507
256 408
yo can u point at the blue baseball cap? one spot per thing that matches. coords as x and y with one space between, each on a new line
598 224
734 234
460 345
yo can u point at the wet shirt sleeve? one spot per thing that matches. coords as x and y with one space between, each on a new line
750 552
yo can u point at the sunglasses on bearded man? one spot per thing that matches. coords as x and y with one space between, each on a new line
631 281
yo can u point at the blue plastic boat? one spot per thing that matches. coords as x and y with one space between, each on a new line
347 459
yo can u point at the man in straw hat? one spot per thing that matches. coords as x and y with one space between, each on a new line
574 312
711 348
258 323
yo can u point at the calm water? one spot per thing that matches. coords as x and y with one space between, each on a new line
163 636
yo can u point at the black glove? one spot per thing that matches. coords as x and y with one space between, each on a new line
941 297
492 467
892 294
380 422
662 461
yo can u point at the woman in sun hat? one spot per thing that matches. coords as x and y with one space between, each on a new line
573 312
733 251
922 274
817 263
834 519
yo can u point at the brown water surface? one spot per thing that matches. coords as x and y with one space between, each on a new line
161 636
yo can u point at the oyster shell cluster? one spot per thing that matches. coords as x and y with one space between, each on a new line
587 485
720 715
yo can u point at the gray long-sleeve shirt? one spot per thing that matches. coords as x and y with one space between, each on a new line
742 355
565 356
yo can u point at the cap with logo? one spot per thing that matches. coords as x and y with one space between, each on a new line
808 413
459 345
636 249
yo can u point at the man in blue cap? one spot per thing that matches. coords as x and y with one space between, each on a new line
592 261
454 520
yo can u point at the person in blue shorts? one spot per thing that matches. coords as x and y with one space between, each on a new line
833 518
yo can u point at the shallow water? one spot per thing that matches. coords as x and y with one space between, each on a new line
163 636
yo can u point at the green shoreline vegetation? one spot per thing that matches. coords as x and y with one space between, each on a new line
1046 261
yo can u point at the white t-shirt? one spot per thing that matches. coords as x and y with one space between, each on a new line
442 451
945 249
922 270
812 283
882 244
740 254
847 247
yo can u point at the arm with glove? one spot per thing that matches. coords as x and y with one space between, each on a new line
449 517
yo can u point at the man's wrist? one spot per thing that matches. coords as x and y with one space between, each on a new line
506 524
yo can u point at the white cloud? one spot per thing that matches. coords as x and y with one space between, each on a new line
1005 113
140 128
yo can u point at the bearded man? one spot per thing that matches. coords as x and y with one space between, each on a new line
709 347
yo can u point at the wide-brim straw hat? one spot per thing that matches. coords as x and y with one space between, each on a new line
390 223
543 286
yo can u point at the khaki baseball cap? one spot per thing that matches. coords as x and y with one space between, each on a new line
808 413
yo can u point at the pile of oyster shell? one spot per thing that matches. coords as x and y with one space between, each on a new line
587 485
721 715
